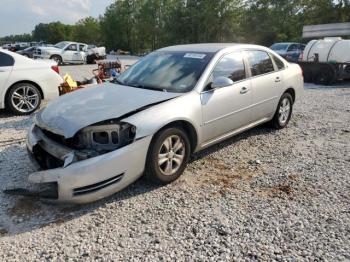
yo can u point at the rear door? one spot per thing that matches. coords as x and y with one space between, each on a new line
228 108
6 65
266 83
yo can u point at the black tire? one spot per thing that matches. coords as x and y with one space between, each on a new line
10 102
57 58
91 59
324 76
308 75
277 121
153 170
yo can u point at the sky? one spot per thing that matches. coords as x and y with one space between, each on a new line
21 16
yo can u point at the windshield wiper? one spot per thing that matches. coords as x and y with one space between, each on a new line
146 87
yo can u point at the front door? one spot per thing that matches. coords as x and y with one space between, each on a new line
228 108
70 53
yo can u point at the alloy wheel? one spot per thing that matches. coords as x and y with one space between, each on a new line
25 99
284 111
171 155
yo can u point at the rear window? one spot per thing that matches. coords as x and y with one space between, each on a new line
260 63
279 63
279 47
6 60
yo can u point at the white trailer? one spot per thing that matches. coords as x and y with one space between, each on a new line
326 61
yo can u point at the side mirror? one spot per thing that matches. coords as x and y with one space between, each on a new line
221 81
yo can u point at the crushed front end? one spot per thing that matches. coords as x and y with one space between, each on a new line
96 162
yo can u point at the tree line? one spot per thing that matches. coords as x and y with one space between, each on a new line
144 25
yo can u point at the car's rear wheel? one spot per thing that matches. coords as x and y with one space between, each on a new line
23 99
283 112
168 155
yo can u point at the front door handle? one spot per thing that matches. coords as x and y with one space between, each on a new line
244 90
278 79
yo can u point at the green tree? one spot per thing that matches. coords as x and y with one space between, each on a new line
87 30
53 32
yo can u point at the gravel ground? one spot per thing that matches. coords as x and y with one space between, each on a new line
263 195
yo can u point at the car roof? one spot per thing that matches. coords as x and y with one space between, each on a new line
71 42
210 47
287 43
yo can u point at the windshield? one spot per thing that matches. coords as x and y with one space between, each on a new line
167 71
61 45
277 47
29 49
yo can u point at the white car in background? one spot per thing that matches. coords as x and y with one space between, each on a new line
64 53
24 82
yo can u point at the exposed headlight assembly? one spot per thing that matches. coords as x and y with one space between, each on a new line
106 137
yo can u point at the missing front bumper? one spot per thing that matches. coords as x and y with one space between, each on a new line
46 191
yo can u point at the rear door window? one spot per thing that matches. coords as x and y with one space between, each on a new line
280 65
6 60
260 63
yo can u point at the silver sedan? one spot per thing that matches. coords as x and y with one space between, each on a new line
175 101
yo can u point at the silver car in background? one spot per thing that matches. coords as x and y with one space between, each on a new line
174 102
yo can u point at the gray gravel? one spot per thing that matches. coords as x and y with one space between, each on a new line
263 195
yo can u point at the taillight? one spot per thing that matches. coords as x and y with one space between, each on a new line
55 68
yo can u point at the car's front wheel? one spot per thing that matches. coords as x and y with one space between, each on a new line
23 99
57 59
283 112
168 155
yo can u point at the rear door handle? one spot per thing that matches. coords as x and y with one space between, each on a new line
244 90
278 79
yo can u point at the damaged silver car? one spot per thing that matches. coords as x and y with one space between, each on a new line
177 100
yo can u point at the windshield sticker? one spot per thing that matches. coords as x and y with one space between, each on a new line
194 55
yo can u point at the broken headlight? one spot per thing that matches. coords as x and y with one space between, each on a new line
105 137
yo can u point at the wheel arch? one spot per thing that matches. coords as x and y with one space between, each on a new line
291 91
187 127
23 82
51 56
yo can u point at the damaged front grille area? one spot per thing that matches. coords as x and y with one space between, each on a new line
54 151
45 160
104 137
97 186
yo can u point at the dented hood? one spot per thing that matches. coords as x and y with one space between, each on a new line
70 113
